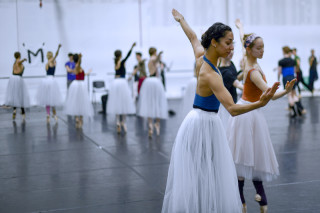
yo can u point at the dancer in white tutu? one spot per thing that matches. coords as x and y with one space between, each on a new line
120 101
17 93
49 94
230 81
152 102
248 134
202 176
78 103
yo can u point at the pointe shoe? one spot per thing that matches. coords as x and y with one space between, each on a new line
263 209
124 126
55 118
48 119
118 128
244 208
14 115
157 127
150 130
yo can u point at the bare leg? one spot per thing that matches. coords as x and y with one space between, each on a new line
118 124
150 122
157 126
123 123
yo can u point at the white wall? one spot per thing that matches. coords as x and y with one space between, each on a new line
96 28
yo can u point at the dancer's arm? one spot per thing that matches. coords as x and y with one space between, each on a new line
257 79
237 84
129 53
239 25
23 60
279 72
57 52
198 50
215 83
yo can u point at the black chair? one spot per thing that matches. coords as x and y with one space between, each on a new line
98 86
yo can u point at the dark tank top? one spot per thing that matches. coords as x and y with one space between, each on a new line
209 103
51 70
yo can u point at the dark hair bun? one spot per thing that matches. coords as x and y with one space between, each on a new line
216 31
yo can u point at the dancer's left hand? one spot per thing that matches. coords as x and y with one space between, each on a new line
289 85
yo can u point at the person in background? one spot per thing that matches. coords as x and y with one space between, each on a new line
70 65
313 73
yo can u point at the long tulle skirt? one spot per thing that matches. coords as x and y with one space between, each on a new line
202 175
120 99
17 94
188 98
48 93
251 147
78 102
224 116
152 99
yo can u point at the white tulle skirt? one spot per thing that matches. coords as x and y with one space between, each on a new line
152 99
48 93
224 116
17 94
251 147
78 102
120 99
202 175
188 98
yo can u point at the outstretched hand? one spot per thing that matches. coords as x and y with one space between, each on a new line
268 94
59 45
176 15
289 85
238 23
134 44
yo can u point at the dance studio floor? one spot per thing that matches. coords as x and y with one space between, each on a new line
57 168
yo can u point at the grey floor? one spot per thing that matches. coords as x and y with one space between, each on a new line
57 168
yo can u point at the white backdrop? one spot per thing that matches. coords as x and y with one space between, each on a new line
96 28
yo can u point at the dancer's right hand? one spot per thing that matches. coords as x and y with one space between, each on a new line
176 15
268 94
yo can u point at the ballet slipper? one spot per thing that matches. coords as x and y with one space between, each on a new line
14 114
157 127
118 128
244 208
150 130
124 126
263 209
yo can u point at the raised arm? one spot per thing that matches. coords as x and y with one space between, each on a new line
57 52
23 60
216 85
257 79
129 53
241 33
198 50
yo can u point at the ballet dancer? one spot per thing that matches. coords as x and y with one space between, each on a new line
17 93
248 134
202 175
78 102
152 102
120 100
49 94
